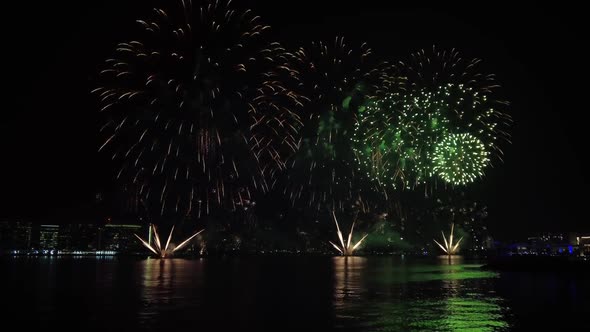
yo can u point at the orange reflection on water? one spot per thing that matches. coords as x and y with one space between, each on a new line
349 278
163 279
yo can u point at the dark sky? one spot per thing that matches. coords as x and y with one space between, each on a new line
48 135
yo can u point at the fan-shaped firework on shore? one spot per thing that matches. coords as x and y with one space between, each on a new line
158 248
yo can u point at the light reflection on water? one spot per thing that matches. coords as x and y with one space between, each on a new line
348 283
286 293
167 285
389 295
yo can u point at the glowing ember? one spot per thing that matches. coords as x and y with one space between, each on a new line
157 247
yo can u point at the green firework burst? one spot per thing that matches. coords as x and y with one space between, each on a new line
460 158
395 138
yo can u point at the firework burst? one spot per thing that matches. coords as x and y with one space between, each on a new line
336 79
479 93
439 96
460 159
196 112
434 67
393 138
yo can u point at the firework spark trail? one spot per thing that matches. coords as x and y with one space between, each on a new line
336 79
432 69
198 90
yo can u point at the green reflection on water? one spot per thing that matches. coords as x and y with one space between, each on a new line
452 314
423 273
388 295
460 314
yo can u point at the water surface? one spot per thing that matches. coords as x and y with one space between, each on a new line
286 293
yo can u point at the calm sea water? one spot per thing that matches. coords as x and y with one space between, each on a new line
286 293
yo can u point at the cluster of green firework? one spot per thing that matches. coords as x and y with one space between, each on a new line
414 136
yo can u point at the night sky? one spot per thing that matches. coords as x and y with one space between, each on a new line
49 132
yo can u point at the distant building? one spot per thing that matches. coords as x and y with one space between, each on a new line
70 238
546 244
65 237
49 237
130 202
78 237
583 243
15 235
87 237
119 237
